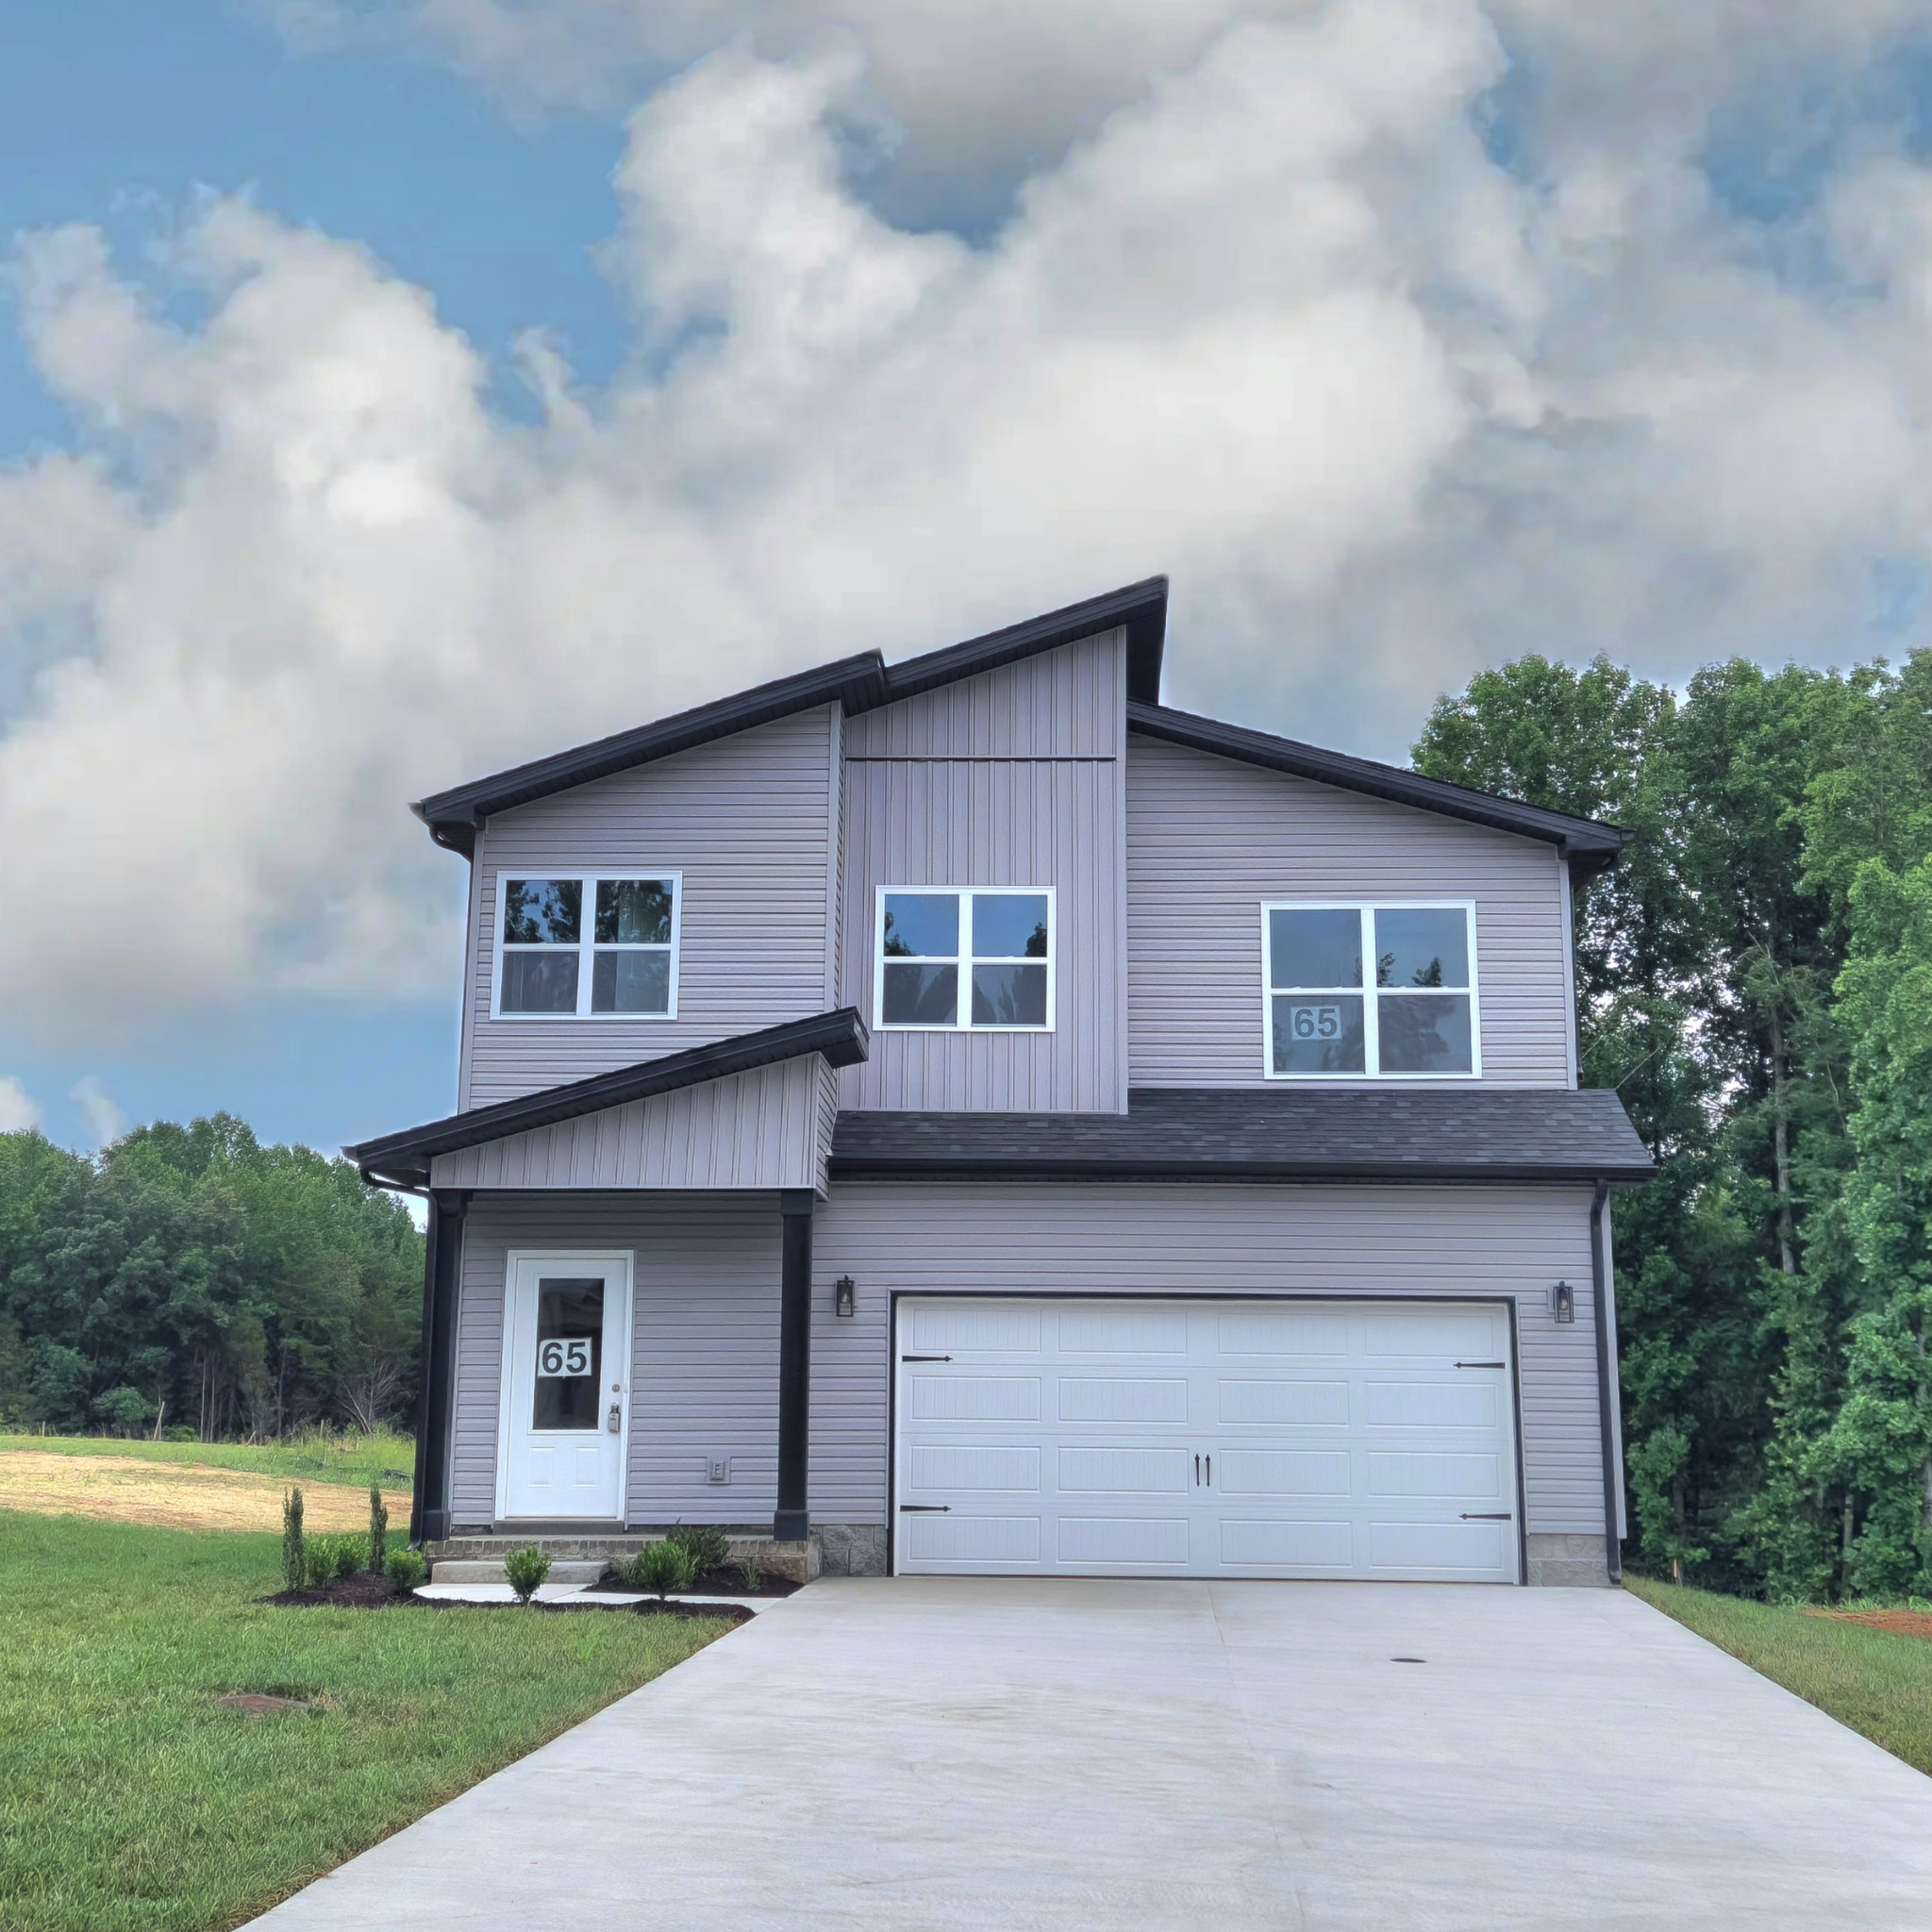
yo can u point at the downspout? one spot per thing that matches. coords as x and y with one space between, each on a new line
1614 1553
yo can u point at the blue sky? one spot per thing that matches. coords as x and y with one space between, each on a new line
390 390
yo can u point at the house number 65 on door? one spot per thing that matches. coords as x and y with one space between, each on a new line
564 1354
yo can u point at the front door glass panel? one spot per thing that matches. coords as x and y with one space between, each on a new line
570 1353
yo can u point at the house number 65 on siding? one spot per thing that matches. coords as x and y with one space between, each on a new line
1315 1023
564 1354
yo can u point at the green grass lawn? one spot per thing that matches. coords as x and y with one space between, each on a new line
1877 1681
130 1802
385 1457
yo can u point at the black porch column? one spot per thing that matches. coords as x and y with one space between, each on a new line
793 1520
435 1394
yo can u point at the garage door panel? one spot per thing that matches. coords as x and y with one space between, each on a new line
973 1468
1122 1399
1206 1436
1124 1471
1285 1543
1439 1549
1132 1541
1122 1331
1471 1402
1423 1473
1259 1331
975 1398
1284 1472
1284 1403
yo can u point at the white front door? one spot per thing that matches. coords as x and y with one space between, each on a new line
566 1402
1205 1438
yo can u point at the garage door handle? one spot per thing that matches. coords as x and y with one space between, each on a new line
925 1358
1482 1365
926 1508
1480 1516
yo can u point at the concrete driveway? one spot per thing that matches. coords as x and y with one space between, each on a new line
930 1753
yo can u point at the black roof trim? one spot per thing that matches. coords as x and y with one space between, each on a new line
1589 844
1249 1134
841 1036
859 683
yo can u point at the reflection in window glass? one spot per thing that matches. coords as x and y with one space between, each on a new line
1318 1034
540 982
1010 925
922 925
1420 946
633 912
1008 995
541 912
630 983
570 1353
921 995
1315 947
1426 1033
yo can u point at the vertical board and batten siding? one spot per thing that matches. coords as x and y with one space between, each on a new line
1174 1239
1010 778
750 822
704 1349
1210 839
765 1128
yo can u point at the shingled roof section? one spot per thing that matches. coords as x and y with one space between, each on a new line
1222 1134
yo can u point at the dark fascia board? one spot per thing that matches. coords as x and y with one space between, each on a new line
839 1036
1589 845
859 683
1050 1168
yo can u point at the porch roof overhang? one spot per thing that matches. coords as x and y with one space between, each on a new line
839 1038
1272 1134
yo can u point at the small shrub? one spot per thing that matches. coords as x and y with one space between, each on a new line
708 1546
526 1569
378 1528
753 1571
660 1568
334 1555
408 1568
294 1556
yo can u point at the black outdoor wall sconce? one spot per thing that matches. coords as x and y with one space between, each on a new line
1562 1303
843 1302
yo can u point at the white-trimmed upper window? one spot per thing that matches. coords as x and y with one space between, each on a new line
588 946
978 960
1413 1016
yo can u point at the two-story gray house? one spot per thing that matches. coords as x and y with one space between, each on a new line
963 1116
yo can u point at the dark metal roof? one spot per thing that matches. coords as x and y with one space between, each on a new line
1274 1133
860 683
841 1036
1588 844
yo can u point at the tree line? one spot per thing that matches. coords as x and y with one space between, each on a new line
1755 981
187 1278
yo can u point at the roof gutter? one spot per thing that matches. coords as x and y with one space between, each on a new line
1613 1551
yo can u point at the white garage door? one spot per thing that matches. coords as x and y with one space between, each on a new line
1205 1438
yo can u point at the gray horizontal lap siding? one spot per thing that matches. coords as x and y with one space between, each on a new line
1010 778
749 821
1209 839
1171 1240
704 1365
765 1128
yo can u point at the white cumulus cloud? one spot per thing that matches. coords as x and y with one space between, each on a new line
19 1110
105 1121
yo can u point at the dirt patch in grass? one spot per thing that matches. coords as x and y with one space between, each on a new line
1900 1622
175 1495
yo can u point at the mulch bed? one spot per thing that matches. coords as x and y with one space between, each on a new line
369 1592
727 1580
1900 1622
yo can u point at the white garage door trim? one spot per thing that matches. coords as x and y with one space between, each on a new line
1371 1437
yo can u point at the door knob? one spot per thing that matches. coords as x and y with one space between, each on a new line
614 1423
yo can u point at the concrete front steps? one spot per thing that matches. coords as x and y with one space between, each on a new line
582 1560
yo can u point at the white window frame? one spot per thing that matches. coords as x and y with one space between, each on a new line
964 960
587 948
1369 992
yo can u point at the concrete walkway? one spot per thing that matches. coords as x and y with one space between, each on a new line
937 1754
